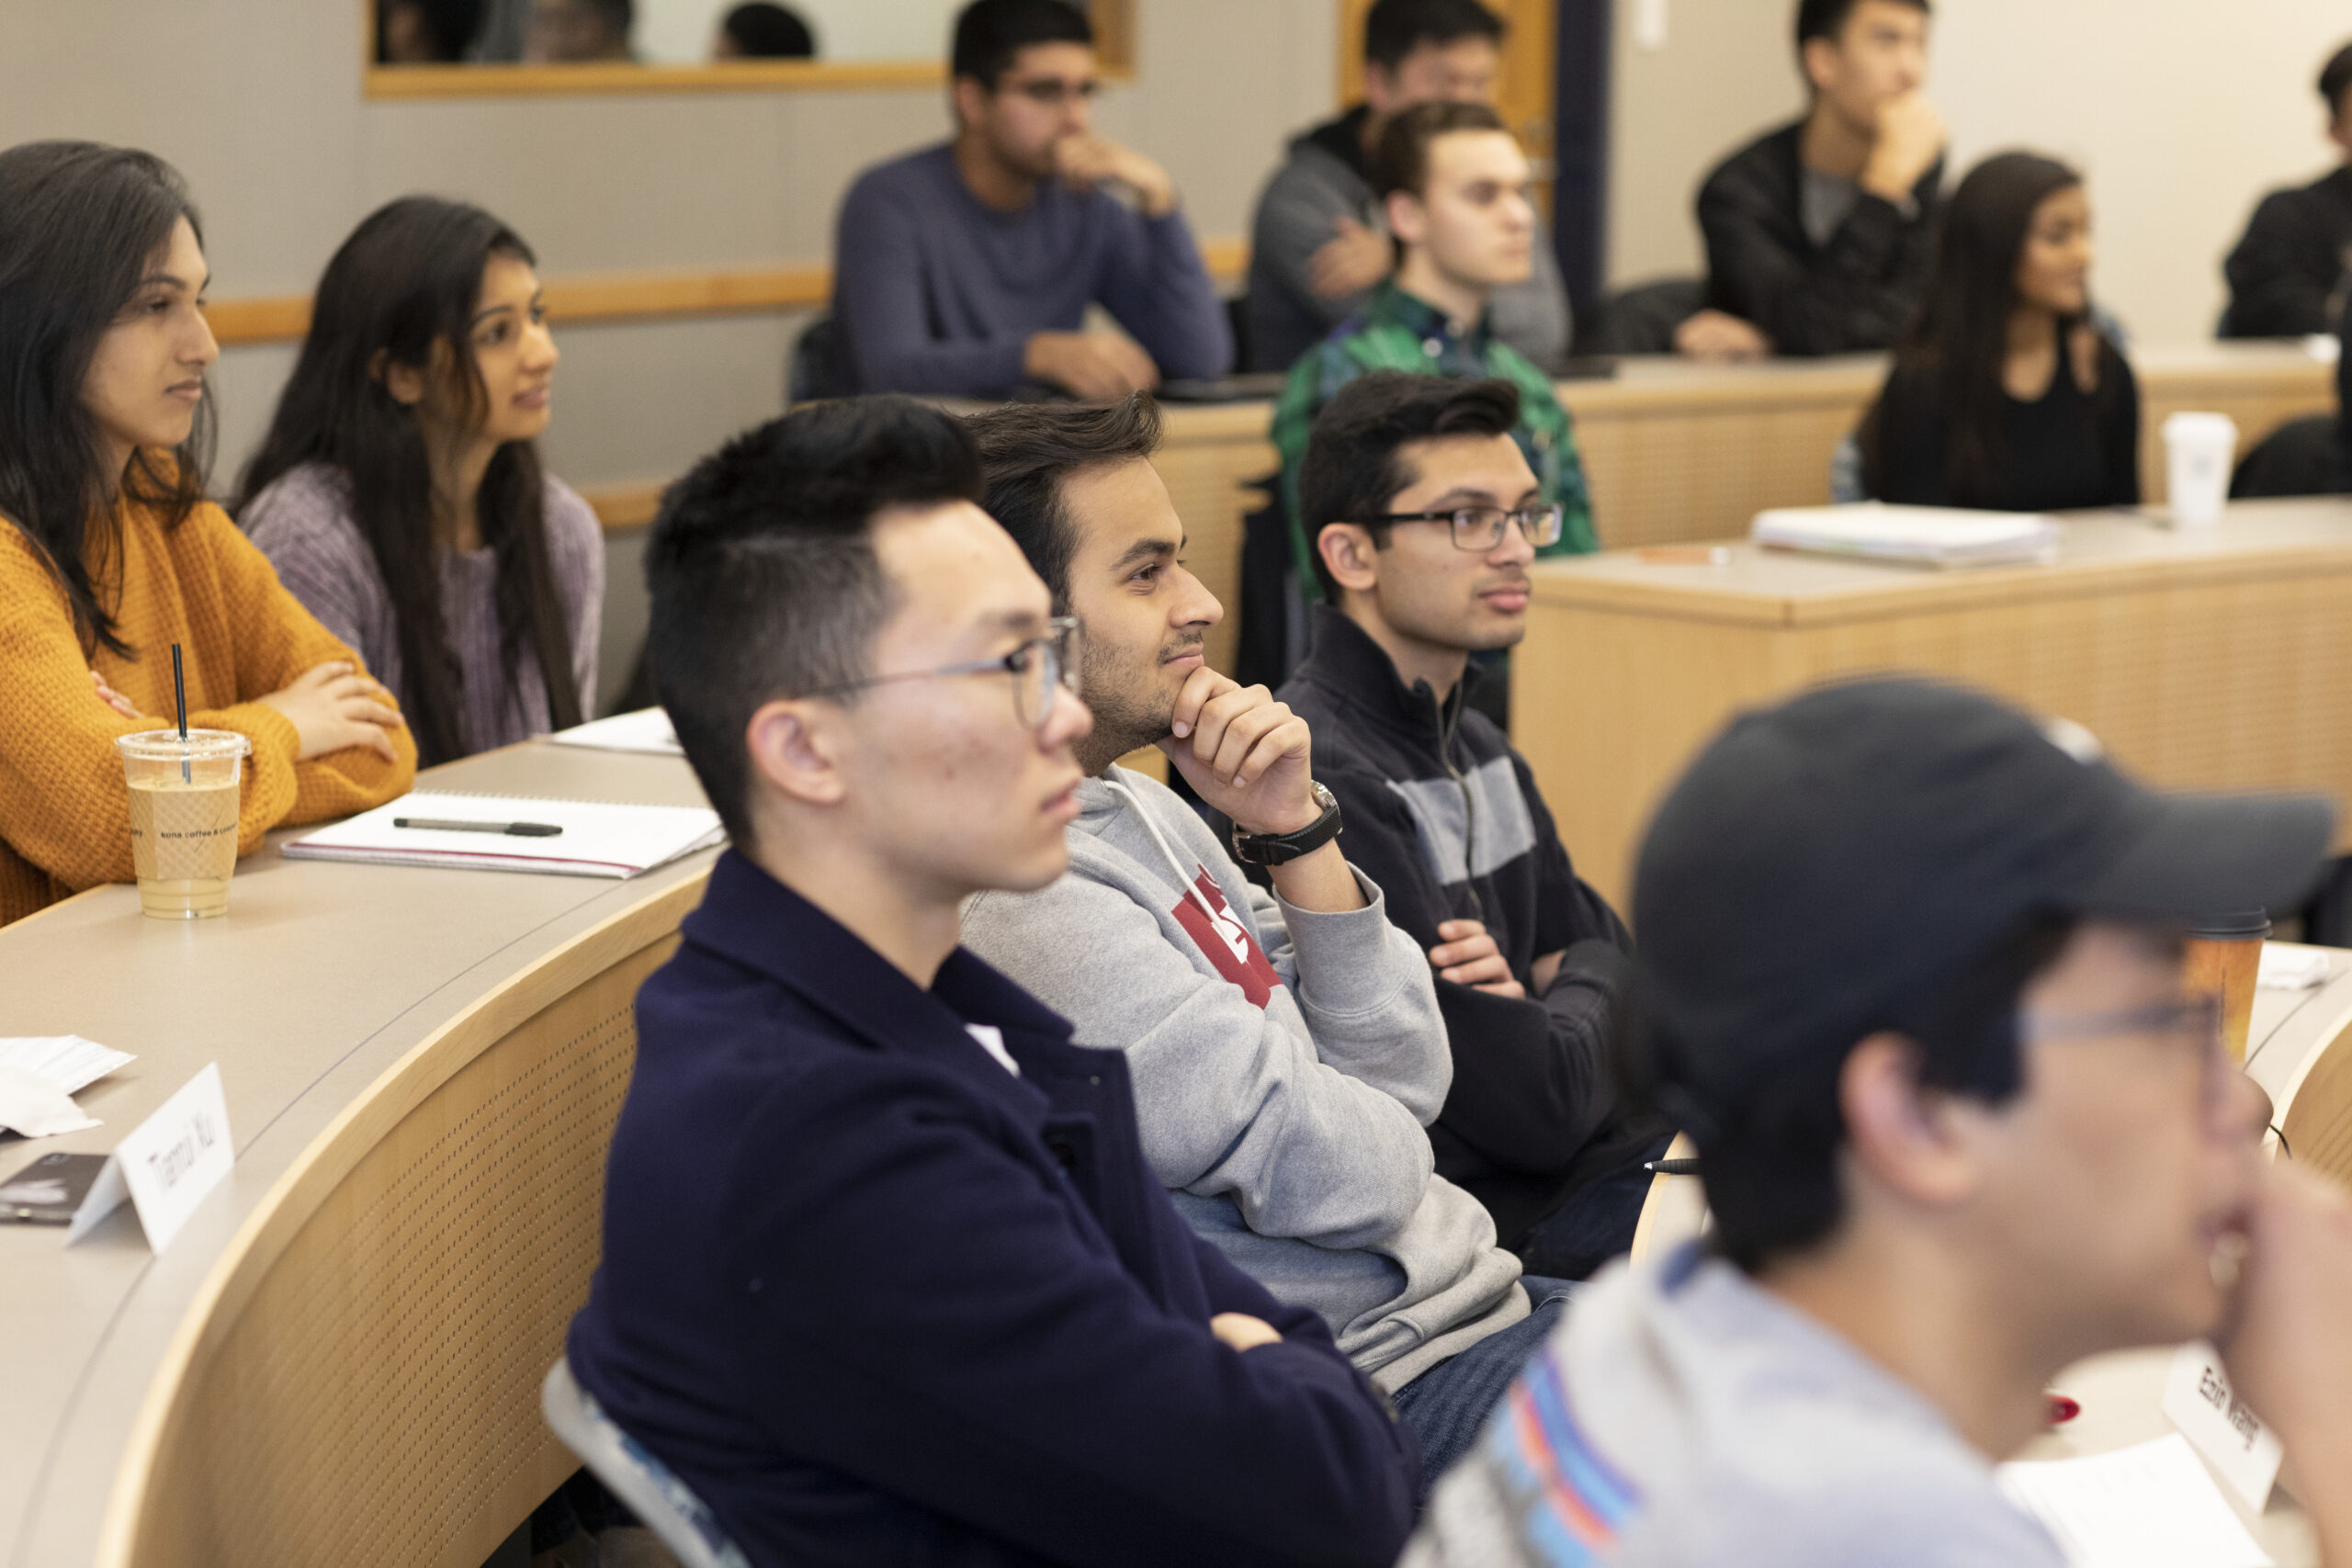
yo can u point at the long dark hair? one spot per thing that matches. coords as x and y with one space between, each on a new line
407 279
1960 337
79 225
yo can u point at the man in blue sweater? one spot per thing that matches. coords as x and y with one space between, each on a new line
886 1280
967 268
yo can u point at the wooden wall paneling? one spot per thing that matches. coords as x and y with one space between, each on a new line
361 1385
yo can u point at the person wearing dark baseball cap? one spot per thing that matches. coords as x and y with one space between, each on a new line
1910 967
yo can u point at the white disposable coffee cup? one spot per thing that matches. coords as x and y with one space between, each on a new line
2199 450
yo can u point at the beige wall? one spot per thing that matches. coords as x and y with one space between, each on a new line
258 103
1727 71
2180 111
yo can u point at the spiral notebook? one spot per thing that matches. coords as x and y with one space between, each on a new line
596 840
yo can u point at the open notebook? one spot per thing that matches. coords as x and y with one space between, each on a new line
1922 535
597 840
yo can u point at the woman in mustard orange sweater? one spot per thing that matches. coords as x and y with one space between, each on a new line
110 552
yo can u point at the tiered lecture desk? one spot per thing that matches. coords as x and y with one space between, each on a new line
338 1360
2219 658
1678 452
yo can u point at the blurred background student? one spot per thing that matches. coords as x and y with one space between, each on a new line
2289 273
560 32
110 552
2005 394
399 495
759 29
427 32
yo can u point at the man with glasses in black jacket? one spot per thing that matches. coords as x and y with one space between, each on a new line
1425 516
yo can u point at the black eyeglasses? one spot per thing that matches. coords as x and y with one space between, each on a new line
1481 528
1051 92
1040 668
2193 1023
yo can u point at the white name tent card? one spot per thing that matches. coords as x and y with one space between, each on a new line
2152 1505
166 1165
2232 1439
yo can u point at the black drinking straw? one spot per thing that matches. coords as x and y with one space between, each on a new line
179 697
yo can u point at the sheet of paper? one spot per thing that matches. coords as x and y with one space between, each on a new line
35 1108
68 1061
2290 966
2153 1506
647 730
2232 1439
167 1165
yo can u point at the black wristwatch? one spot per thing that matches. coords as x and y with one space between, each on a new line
1277 848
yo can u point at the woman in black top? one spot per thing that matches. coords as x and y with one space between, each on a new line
2003 394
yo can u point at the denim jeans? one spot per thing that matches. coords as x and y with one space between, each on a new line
1447 1406
1593 1226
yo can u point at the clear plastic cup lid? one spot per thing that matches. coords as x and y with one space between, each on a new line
201 745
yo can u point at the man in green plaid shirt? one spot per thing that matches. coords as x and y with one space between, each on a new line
1455 185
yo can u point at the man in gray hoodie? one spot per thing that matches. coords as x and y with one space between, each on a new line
1286 1050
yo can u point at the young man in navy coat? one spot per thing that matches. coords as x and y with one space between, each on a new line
886 1278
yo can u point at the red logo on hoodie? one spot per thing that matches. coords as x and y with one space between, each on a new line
1219 934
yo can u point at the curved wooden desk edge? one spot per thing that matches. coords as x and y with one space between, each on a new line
299 1192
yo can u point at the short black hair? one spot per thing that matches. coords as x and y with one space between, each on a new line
1401 160
1827 19
1028 450
2335 81
1353 468
765 30
990 33
1771 1163
1394 28
763 573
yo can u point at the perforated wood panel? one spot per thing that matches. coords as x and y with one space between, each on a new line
1207 478
2318 1117
376 1400
2237 683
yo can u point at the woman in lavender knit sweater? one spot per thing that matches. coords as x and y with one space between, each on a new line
399 494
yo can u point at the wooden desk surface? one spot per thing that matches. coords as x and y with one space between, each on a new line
319 982
2215 660
2100 550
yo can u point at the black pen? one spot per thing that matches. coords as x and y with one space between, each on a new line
514 830
1671 1166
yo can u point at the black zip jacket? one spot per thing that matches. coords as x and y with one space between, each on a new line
1855 294
2287 273
1444 817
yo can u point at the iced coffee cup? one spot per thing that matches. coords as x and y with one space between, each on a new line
184 799
2224 956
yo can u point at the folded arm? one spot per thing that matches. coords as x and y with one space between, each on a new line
931 1319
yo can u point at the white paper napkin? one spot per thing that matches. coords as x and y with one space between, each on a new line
35 1107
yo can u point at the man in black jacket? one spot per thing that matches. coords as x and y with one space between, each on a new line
2289 275
1818 232
1427 516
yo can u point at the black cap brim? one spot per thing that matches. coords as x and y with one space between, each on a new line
2202 855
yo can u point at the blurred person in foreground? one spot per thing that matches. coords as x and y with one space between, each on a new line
1912 968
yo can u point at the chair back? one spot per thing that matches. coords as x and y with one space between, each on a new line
628 1469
